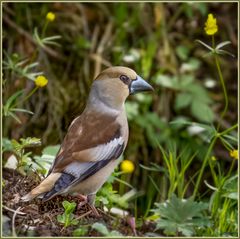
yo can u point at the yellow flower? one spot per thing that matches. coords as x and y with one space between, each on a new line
50 16
211 26
41 81
127 166
234 154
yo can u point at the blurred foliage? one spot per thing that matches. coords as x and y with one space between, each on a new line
157 40
104 231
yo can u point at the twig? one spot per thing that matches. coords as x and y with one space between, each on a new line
83 215
13 222
21 31
14 211
105 213
53 224
8 10
94 39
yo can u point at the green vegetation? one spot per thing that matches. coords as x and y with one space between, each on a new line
104 231
179 170
67 218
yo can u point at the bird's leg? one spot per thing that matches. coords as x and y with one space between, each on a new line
84 200
91 200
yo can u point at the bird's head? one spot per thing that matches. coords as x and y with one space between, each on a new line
113 85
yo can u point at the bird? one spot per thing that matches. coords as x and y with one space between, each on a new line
95 140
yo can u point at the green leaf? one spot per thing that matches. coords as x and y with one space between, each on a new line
14 116
182 52
61 218
22 110
12 100
82 43
186 81
6 145
202 7
190 66
202 111
205 45
222 44
223 52
183 100
199 92
74 222
115 234
154 168
132 109
100 228
51 150
30 142
69 206
80 231
180 215
167 81
230 188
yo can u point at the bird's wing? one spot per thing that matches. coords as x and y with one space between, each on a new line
91 143
89 137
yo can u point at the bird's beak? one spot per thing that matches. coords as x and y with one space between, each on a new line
139 85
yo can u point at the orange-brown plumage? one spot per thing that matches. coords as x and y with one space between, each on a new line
95 139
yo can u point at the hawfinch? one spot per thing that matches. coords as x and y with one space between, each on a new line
95 139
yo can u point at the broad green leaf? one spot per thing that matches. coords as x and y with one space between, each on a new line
199 92
6 145
51 150
100 228
230 187
183 100
202 111
167 81
181 215
192 65
61 218
202 7
185 81
182 52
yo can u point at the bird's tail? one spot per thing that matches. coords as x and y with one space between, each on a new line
45 186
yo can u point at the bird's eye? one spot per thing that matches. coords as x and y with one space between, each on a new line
125 79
